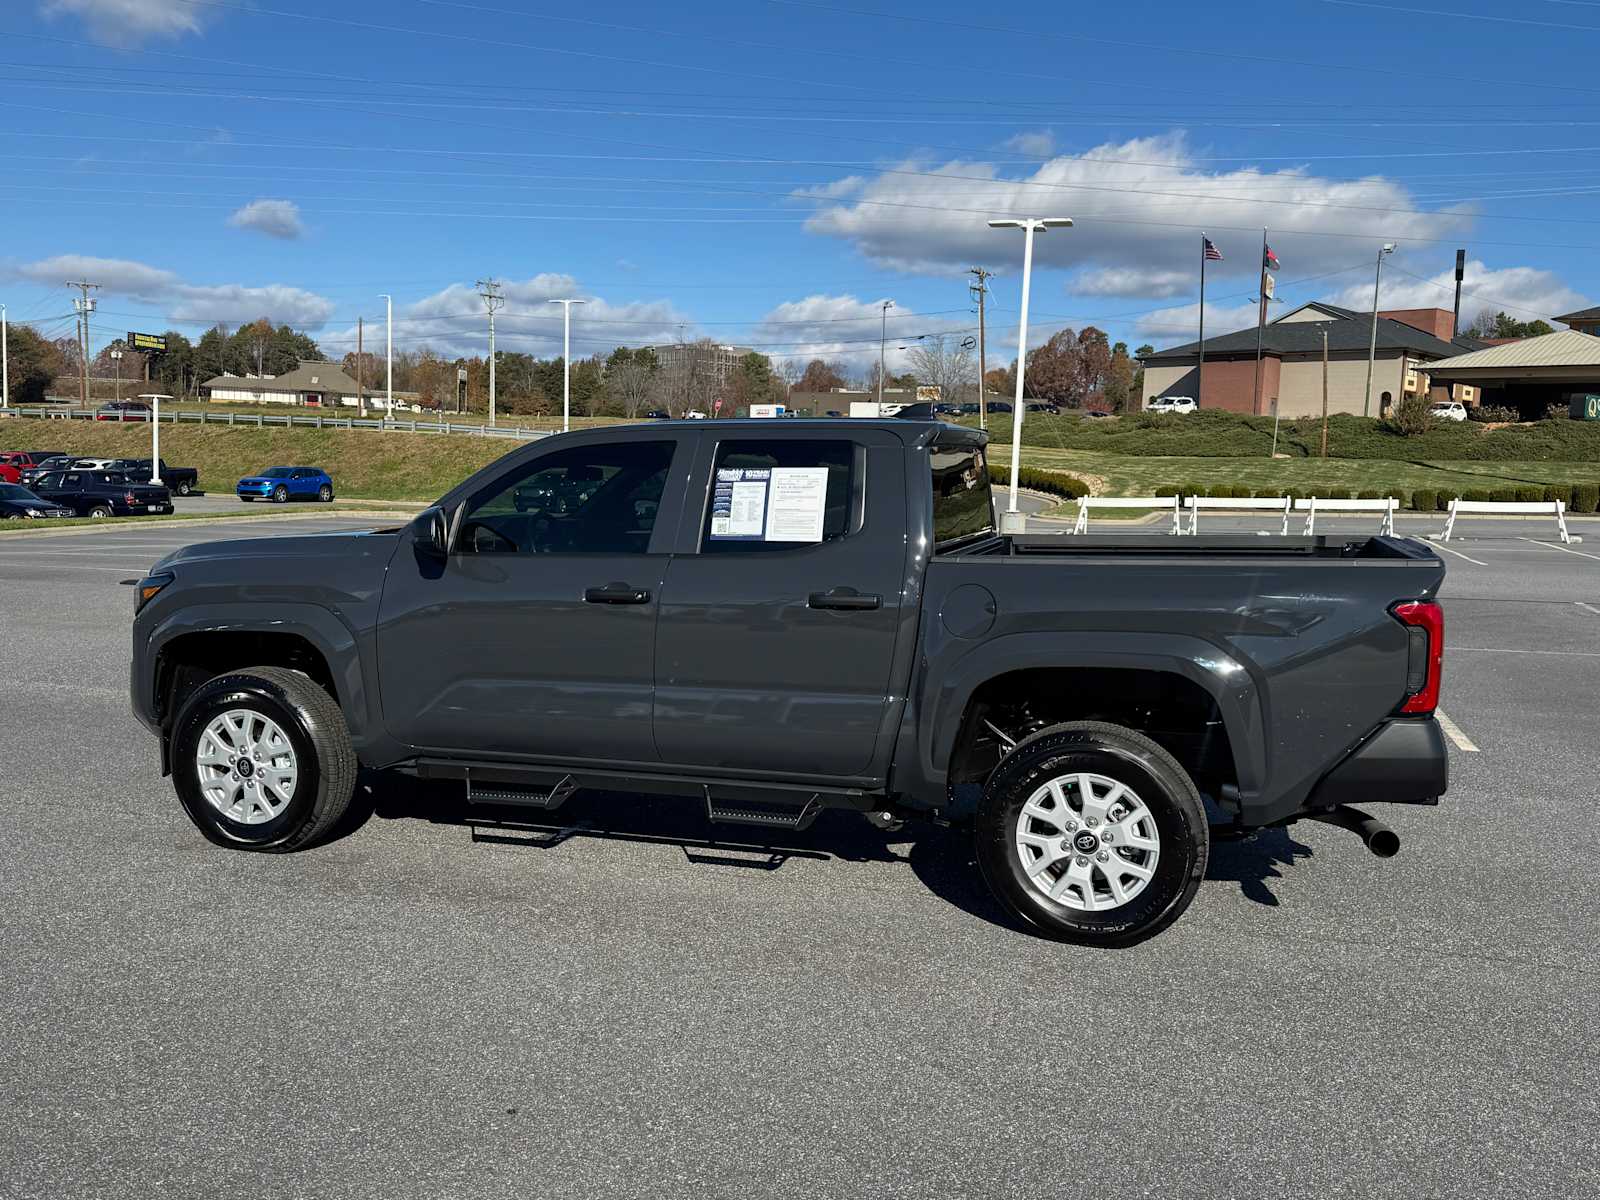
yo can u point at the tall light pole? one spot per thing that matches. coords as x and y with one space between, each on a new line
1372 344
883 335
5 362
388 352
116 357
566 361
1013 521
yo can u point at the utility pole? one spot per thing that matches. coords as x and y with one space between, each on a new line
566 361
492 301
84 305
1324 393
388 356
883 335
980 292
361 394
5 362
1372 344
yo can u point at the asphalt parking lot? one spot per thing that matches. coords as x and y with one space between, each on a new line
624 1006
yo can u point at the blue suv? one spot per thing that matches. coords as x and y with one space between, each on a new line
283 484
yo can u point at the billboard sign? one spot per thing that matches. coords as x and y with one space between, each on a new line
151 343
766 410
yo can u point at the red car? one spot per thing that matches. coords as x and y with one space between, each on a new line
14 462
123 410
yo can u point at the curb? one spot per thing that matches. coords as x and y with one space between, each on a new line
44 530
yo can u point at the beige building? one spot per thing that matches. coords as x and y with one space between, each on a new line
1291 362
311 383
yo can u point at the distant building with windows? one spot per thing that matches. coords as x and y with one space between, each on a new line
700 358
312 384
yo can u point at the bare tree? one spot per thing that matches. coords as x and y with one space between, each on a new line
941 361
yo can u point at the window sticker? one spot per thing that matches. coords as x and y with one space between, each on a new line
797 504
739 503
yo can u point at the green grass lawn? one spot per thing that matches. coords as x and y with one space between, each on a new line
1129 475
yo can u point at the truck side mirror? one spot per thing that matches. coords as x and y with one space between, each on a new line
431 531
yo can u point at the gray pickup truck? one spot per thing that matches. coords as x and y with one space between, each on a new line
775 617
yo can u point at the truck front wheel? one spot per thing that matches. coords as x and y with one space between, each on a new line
262 760
1093 834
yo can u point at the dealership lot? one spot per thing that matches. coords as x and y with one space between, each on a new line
627 1005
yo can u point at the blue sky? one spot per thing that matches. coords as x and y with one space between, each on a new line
767 172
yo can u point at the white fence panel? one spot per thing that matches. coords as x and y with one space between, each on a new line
1085 503
1541 508
1277 504
1317 505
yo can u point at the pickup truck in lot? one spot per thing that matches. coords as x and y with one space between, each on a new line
181 481
97 493
778 617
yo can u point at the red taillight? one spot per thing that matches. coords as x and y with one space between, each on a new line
129 498
1424 622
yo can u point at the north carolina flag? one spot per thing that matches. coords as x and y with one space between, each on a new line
1269 260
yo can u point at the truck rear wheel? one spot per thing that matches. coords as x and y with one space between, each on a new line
262 760
1093 834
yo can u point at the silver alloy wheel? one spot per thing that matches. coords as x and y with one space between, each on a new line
1088 842
246 766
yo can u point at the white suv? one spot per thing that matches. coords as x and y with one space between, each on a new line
1449 410
1173 404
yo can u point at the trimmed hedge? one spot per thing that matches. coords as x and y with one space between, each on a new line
1054 483
1425 500
1586 498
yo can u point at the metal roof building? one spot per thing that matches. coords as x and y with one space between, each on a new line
1531 374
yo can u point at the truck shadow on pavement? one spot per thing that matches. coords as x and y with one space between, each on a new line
941 857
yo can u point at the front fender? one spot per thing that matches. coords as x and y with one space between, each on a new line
325 630
934 720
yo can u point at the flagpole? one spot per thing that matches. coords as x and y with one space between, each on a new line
1200 382
1261 320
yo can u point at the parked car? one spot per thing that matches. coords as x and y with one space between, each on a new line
1173 404
970 410
56 462
123 410
810 629
1042 406
999 406
102 494
1097 414
282 484
14 462
1449 410
657 414
833 412
181 480
17 502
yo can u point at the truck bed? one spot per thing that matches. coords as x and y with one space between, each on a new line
1208 546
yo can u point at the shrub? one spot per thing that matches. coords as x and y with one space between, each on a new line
1370 494
1476 494
1167 489
1444 496
1054 483
1503 495
1332 493
1411 415
1530 495
1558 491
1557 412
1586 498
1491 412
1425 500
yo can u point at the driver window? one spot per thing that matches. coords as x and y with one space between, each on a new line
588 500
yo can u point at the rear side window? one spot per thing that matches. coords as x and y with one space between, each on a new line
778 494
963 505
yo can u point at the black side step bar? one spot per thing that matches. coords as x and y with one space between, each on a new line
511 793
775 816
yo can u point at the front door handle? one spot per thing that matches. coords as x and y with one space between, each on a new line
616 593
844 598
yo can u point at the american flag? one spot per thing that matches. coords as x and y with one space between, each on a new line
1211 251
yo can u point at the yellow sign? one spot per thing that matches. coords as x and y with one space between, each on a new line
153 342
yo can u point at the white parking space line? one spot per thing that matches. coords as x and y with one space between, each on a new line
1590 607
1458 554
1503 650
1563 549
1453 732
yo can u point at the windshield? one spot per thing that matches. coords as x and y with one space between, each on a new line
275 473
10 491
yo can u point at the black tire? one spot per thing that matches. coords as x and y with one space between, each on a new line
280 494
100 511
1130 758
325 493
315 727
185 488
246 499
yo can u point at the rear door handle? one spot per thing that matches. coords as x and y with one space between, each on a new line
844 598
616 593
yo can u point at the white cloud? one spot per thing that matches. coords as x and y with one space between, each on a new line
1139 206
275 218
837 190
1523 292
1133 281
844 328
230 303
453 322
1037 144
1180 323
128 23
